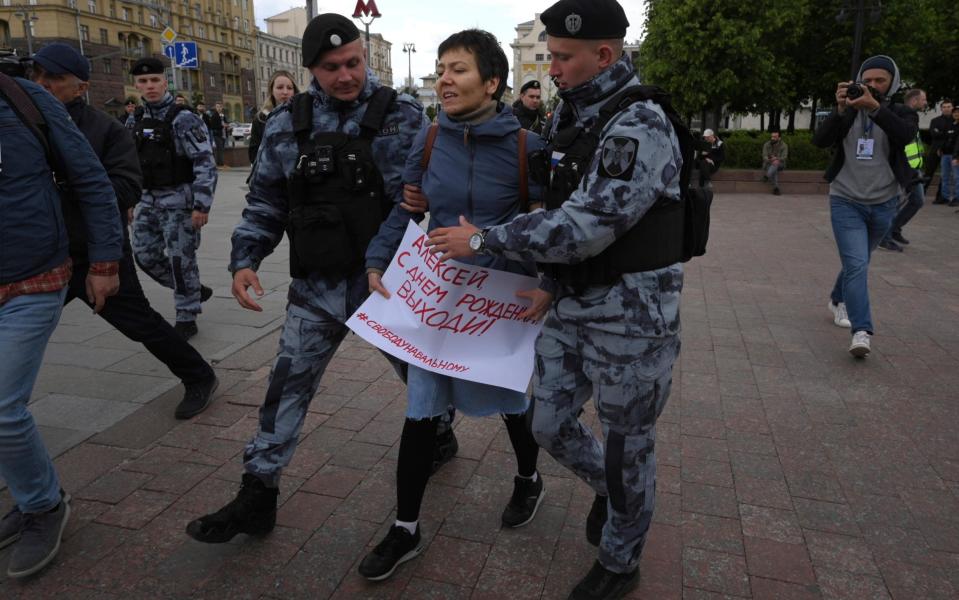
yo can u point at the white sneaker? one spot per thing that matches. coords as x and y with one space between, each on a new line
839 315
860 344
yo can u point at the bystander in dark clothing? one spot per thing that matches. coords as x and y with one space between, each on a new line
710 158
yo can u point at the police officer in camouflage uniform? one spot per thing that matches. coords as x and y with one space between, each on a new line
179 179
328 172
613 330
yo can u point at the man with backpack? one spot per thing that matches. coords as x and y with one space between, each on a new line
179 179
63 72
612 236
40 145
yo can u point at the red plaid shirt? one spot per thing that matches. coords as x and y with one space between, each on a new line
52 281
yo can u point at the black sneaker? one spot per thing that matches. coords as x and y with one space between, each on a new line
602 584
185 329
205 293
444 449
897 237
776 192
12 522
196 398
525 501
890 245
39 540
596 520
252 512
397 547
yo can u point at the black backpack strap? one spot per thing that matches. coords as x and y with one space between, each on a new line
302 113
28 112
376 111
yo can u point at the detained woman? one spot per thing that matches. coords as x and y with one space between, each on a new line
282 88
472 171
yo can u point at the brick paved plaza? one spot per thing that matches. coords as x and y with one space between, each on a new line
787 469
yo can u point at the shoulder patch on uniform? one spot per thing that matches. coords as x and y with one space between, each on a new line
199 134
618 157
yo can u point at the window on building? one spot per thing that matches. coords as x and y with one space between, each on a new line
140 16
84 33
72 3
107 66
104 36
209 56
113 10
153 21
212 81
249 85
202 31
92 6
542 36
539 58
223 38
125 13
197 12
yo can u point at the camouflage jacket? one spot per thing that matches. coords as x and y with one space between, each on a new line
192 141
265 218
603 208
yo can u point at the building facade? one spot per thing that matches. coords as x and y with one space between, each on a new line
531 57
380 60
276 53
113 34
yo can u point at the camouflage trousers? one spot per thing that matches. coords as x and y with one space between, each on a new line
307 343
630 380
164 246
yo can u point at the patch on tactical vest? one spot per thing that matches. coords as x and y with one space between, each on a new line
619 158
393 129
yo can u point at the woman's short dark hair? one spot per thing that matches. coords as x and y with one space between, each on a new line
483 45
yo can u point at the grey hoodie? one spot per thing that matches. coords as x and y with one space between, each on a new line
867 181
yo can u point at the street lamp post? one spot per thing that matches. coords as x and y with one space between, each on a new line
409 48
860 8
27 26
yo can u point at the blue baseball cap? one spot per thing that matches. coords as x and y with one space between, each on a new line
61 59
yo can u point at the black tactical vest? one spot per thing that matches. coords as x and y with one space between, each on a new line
156 146
670 232
337 199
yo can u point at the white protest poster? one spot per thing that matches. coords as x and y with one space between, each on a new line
451 318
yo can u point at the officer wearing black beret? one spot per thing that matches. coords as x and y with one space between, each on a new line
586 20
147 66
528 107
326 32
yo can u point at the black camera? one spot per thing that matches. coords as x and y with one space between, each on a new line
856 90
11 64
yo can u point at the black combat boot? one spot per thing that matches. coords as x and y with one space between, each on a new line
602 584
252 512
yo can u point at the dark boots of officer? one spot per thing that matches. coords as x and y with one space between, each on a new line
252 512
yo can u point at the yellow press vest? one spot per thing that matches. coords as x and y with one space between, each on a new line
915 152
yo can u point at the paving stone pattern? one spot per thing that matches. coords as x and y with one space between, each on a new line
786 468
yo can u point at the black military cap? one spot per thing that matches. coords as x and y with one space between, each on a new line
586 19
326 32
529 85
147 66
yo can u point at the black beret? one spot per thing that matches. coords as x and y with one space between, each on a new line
147 66
326 32
586 19
529 85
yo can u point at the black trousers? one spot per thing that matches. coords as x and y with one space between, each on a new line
130 312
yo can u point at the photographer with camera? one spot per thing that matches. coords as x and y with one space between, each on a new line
869 134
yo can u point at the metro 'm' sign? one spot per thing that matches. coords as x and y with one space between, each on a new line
366 8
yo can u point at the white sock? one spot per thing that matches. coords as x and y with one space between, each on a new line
532 477
408 525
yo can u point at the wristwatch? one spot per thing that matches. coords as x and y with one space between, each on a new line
477 242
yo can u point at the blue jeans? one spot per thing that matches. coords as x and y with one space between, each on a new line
950 179
26 323
858 229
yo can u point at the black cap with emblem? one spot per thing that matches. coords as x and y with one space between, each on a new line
586 19
147 66
326 32
529 85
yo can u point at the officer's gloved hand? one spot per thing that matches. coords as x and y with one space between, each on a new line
243 279
414 200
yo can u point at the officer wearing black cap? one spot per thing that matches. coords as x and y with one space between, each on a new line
64 73
328 171
528 107
611 177
179 179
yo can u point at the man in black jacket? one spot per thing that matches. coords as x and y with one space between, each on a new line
710 158
528 108
65 73
869 135
938 129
